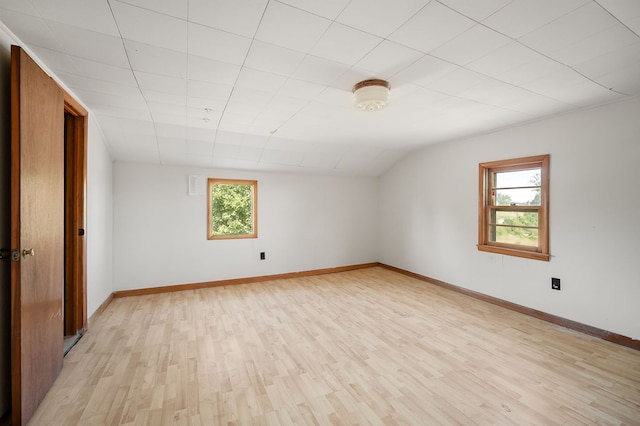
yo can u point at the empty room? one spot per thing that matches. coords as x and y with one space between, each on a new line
333 212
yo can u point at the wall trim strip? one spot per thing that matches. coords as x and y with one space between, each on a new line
237 281
563 322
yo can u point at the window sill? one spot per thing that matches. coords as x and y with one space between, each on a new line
513 252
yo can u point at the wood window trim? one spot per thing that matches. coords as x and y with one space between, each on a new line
213 181
484 202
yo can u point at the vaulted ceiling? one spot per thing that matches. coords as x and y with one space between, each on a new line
266 84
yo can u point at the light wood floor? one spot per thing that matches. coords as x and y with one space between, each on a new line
362 347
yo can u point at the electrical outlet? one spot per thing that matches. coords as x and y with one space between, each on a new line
555 283
262 255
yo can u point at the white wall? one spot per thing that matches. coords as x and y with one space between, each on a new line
428 217
99 220
304 223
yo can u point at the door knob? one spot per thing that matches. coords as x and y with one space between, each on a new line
28 252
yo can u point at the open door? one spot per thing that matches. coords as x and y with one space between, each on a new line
37 233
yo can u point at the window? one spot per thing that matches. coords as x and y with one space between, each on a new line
514 207
232 209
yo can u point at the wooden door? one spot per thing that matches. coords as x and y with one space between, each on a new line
37 233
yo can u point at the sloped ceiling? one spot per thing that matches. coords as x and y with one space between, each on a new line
266 84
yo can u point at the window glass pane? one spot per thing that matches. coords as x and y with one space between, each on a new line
515 218
513 235
232 209
529 177
517 197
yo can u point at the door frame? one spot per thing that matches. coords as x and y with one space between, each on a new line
75 256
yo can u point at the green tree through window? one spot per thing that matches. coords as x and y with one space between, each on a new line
232 209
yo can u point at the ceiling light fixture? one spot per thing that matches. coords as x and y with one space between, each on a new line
371 95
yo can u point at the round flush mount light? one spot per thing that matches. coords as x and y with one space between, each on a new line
371 95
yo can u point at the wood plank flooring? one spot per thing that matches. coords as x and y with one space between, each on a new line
364 347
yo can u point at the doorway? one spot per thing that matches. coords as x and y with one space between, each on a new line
75 165
48 251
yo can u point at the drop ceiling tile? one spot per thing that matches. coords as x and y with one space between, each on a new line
382 17
477 10
236 17
343 44
624 10
624 80
105 72
204 116
161 83
204 103
201 148
388 58
619 58
30 29
327 8
291 28
176 119
156 60
270 58
210 70
20 6
150 27
530 71
504 59
91 98
288 158
260 80
634 25
162 108
170 131
471 45
94 15
75 81
425 70
233 138
520 17
236 152
600 44
175 8
99 110
496 93
170 146
163 97
209 91
319 71
537 105
199 134
565 85
89 45
458 81
118 127
203 123
433 26
319 161
569 29
299 89
219 45
57 61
